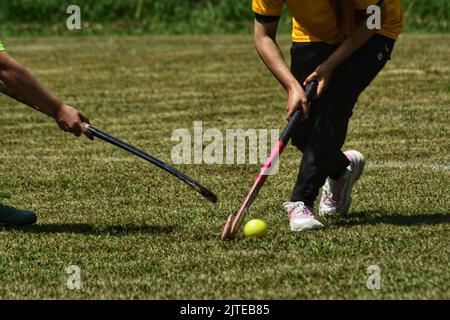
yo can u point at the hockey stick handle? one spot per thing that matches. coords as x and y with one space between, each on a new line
310 91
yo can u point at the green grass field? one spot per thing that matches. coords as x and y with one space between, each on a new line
137 232
25 17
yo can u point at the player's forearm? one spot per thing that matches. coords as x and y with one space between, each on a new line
360 36
273 58
24 84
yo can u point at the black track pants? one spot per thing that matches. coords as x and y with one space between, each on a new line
322 136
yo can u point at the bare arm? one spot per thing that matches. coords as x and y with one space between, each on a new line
22 82
360 36
271 55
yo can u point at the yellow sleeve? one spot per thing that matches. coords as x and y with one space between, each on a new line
2 48
267 7
364 4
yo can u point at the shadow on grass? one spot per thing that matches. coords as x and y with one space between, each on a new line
81 228
372 218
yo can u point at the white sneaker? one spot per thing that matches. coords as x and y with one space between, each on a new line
301 217
337 194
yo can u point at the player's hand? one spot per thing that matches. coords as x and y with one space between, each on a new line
322 75
71 120
297 99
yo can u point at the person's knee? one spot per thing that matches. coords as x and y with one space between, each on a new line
340 103
299 135
342 111
298 143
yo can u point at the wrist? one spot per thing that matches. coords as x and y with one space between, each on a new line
57 106
329 65
293 85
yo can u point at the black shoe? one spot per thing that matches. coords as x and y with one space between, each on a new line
12 217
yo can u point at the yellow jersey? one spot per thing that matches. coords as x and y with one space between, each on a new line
315 20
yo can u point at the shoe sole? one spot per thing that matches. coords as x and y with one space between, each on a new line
307 227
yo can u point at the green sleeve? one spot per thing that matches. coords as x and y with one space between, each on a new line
2 48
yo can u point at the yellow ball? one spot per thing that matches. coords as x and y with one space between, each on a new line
255 228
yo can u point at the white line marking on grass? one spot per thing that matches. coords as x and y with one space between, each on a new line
410 164
400 165
404 71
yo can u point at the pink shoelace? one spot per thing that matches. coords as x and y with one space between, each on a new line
307 211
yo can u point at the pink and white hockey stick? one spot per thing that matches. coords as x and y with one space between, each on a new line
234 222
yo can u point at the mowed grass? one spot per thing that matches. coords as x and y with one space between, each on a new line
137 232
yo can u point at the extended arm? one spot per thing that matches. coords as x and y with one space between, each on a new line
22 82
